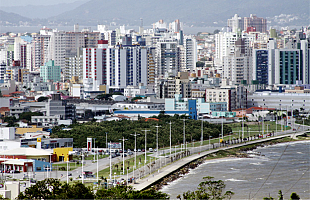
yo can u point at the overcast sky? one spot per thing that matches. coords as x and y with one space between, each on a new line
33 2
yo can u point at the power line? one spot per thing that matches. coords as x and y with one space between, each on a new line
297 181
273 168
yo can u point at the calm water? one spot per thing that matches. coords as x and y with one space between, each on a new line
244 176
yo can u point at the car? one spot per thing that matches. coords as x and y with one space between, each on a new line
143 150
70 174
139 150
130 153
121 151
155 150
150 149
33 181
125 151
125 155
134 150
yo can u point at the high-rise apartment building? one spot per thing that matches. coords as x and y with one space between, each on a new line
260 65
253 21
235 24
288 66
50 72
74 66
167 58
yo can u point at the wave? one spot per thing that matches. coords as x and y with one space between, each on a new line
234 180
258 163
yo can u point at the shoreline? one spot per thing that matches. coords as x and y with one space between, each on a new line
238 152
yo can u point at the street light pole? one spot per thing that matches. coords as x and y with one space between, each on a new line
157 139
184 135
110 161
123 154
145 144
94 148
170 138
82 167
201 143
135 147
209 142
106 139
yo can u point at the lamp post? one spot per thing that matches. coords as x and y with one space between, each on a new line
209 142
67 170
110 161
184 134
276 123
157 139
145 144
94 148
249 133
303 124
135 147
82 167
201 143
123 154
106 139
97 166
170 138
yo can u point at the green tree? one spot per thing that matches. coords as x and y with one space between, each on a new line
11 120
27 115
53 189
104 96
40 99
200 64
135 98
294 196
209 189
280 195
126 192
216 31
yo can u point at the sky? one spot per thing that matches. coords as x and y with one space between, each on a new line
33 2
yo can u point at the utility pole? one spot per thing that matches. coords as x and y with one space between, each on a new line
135 148
184 135
157 139
170 138
201 143
145 144
123 154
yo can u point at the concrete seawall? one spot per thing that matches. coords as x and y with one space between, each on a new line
167 170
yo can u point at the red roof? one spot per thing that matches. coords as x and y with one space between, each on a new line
155 119
4 109
260 108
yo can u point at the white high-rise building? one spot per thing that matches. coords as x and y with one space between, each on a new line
94 66
167 58
235 24
190 47
127 66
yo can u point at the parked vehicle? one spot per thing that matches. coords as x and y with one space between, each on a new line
150 149
139 150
